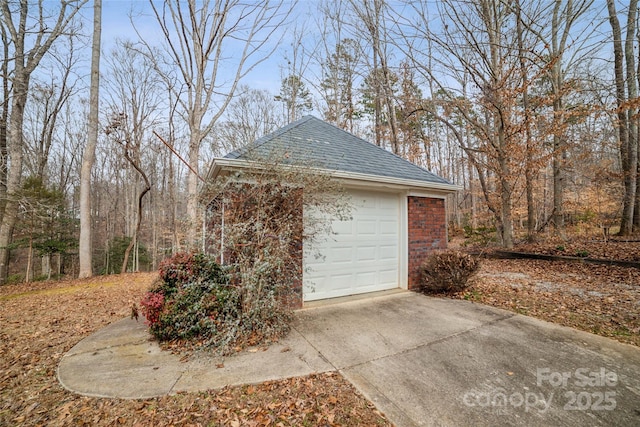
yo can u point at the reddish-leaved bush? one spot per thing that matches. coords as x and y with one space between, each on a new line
152 306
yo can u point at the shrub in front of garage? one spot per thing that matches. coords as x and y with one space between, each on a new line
448 272
260 219
244 291
196 304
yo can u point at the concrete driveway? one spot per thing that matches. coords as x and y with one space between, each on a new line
420 360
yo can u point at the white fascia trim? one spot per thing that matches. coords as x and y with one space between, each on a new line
403 268
426 194
399 183
391 182
219 164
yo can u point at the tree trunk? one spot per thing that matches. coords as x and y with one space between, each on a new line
28 273
46 265
58 264
377 109
134 239
632 113
632 119
636 210
626 221
4 118
173 226
472 194
15 137
529 168
192 190
558 181
14 143
559 145
88 158
505 191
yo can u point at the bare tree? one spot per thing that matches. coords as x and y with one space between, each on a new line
134 99
477 44
529 166
564 16
15 18
4 115
632 117
252 114
125 135
626 90
296 99
371 23
88 158
47 99
551 26
339 59
212 45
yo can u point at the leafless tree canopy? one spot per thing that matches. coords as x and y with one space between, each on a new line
531 106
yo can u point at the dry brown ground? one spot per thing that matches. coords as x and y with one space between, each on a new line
40 322
600 299
616 248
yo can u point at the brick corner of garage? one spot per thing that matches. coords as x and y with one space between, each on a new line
427 233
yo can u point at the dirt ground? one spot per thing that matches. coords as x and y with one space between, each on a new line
614 248
600 299
40 322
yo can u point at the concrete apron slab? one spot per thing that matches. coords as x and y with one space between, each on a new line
123 361
425 361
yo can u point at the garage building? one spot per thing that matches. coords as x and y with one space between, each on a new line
398 209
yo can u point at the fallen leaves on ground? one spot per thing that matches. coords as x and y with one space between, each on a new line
600 299
39 322
617 248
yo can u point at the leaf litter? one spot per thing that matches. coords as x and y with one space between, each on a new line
41 321
600 299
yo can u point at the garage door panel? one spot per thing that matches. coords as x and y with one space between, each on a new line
362 202
342 228
340 281
388 253
341 255
389 228
366 253
362 254
389 277
384 208
365 279
366 227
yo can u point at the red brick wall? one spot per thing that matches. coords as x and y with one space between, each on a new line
427 224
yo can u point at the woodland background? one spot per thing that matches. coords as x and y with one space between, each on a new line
532 107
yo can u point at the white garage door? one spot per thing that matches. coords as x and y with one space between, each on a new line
362 254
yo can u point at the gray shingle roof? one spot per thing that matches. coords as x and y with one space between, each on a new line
313 141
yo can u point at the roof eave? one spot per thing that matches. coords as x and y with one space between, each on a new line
220 164
396 182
